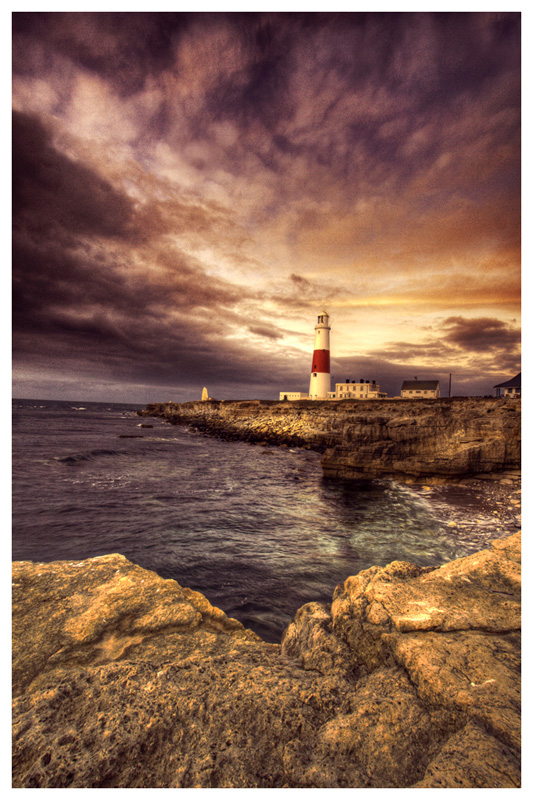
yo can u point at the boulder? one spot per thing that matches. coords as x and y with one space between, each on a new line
410 678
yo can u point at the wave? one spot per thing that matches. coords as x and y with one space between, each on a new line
91 455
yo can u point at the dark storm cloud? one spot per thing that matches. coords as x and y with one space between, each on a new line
51 190
459 335
51 281
88 299
62 209
121 47
314 158
302 295
378 78
136 334
368 98
79 301
481 334
359 49
410 53
267 332
157 353
403 351
302 283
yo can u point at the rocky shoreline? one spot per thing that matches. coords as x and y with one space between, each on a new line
463 454
409 678
412 441
477 510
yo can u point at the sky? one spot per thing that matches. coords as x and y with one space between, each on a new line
190 190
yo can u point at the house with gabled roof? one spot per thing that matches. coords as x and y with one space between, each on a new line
413 390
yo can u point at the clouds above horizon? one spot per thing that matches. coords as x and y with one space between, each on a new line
189 189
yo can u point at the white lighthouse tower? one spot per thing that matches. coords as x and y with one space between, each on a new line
320 383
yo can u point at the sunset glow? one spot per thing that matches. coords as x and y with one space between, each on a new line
190 190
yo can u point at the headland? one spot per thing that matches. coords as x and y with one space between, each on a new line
411 441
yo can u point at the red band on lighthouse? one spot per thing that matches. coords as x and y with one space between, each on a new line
320 361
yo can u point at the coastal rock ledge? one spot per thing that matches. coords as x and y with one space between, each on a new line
410 678
434 441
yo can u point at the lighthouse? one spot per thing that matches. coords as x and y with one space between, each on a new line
320 383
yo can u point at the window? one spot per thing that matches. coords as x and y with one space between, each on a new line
314 373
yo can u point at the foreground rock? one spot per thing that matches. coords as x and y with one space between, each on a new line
407 440
409 679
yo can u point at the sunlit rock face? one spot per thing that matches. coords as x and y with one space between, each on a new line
437 441
406 440
409 678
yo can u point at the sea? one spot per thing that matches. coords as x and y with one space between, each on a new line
257 529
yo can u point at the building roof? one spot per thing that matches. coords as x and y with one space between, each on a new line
515 382
419 385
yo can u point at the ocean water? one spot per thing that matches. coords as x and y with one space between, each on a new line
258 530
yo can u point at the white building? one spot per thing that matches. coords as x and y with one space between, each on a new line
352 390
420 389
293 396
512 388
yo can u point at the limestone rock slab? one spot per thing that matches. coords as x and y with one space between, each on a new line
124 679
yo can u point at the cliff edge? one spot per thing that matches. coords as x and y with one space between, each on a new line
410 678
431 441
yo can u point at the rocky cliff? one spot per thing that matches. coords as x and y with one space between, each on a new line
408 440
410 678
